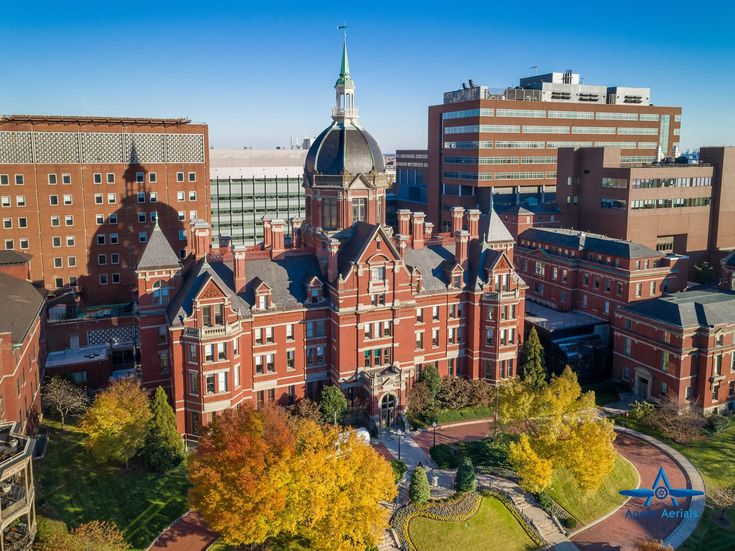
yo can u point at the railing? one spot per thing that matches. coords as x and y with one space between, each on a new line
210 332
341 112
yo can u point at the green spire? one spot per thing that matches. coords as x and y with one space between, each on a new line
345 79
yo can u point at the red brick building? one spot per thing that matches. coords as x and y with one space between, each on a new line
342 300
680 208
504 142
82 193
572 270
21 342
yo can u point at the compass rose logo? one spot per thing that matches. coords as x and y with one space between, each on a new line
661 489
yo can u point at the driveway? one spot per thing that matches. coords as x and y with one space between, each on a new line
187 533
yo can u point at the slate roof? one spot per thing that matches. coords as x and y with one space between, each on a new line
197 277
20 307
431 262
13 257
700 307
591 242
287 278
354 240
344 147
158 252
729 260
494 228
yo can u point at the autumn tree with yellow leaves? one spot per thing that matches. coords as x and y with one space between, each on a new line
259 474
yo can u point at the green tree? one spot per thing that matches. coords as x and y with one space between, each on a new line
419 490
465 480
116 422
704 272
430 375
533 369
163 448
333 404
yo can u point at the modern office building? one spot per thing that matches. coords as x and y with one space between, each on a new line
410 185
82 194
250 184
484 141
687 209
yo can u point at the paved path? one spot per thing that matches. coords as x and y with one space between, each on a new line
187 533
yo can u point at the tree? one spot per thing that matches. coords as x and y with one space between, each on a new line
258 474
722 498
465 480
419 490
420 400
704 272
430 375
306 409
535 471
99 536
163 448
64 398
116 422
532 368
653 545
587 452
333 404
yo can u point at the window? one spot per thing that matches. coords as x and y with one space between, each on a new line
290 359
23 242
99 219
68 220
235 348
160 293
192 176
377 273
101 259
113 219
70 241
100 238
194 383
715 392
210 383
208 352
638 289
140 197
19 180
259 365
420 340
434 337
58 282
66 179
98 200
56 242
142 237
653 288
97 178
141 218
212 315
4 180
419 315
55 221
329 213
153 197
103 279
359 210
665 361
222 381
162 335
489 336
179 176
112 198
180 196
627 344
140 177
182 213
153 178
257 335
7 223
110 178
114 239
236 375
269 335
221 351
270 363
9 245
53 200
717 369
52 179
435 313
192 196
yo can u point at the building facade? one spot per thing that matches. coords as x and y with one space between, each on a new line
410 185
22 346
248 185
680 208
484 141
18 499
338 299
83 194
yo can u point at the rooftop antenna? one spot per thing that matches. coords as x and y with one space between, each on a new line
535 70
343 27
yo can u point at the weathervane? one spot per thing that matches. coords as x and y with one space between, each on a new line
343 27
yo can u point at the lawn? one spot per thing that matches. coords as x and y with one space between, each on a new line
491 527
587 506
74 489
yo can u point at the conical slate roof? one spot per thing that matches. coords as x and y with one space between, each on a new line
158 252
494 229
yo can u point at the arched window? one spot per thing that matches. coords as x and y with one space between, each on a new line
160 293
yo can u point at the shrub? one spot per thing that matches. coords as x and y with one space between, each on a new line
163 448
465 480
641 410
569 522
419 490
399 467
445 456
717 423
544 501
652 545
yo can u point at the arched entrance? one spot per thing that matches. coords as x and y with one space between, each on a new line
388 405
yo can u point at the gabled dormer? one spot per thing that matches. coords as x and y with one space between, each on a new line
158 272
314 291
455 276
263 296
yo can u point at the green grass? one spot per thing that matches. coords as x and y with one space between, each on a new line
464 414
606 392
587 506
484 453
282 543
493 527
74 489
711 535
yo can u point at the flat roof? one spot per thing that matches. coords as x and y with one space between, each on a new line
89 119
84 354
553 320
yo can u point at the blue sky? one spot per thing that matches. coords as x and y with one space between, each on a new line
260 72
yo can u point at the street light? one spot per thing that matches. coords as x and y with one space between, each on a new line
399 433
433 424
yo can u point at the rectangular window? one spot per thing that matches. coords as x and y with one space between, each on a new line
290 359
329 213
210 383
110 178
98 200
193 383
222 381
112 198
179 176
114 239
221 351
208 352
236 375
97 178
289 332
435 313
259 365
419 315
434 337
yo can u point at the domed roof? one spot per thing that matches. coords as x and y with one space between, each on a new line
344 147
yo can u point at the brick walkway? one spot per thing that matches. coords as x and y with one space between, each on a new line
187 533
472 430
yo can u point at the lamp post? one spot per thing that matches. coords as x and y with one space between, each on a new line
399 433
433 425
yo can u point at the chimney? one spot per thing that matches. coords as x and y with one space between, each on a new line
296 232
404 217
457 213
461 238
428 230
278 238
267 233
202 239
332 268
418 230
473 223
238 267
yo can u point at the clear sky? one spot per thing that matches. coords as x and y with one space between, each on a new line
259 72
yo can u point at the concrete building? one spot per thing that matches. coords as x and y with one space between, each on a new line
18 497
680 208
83 193
410 185
345 301
250 184
484 141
